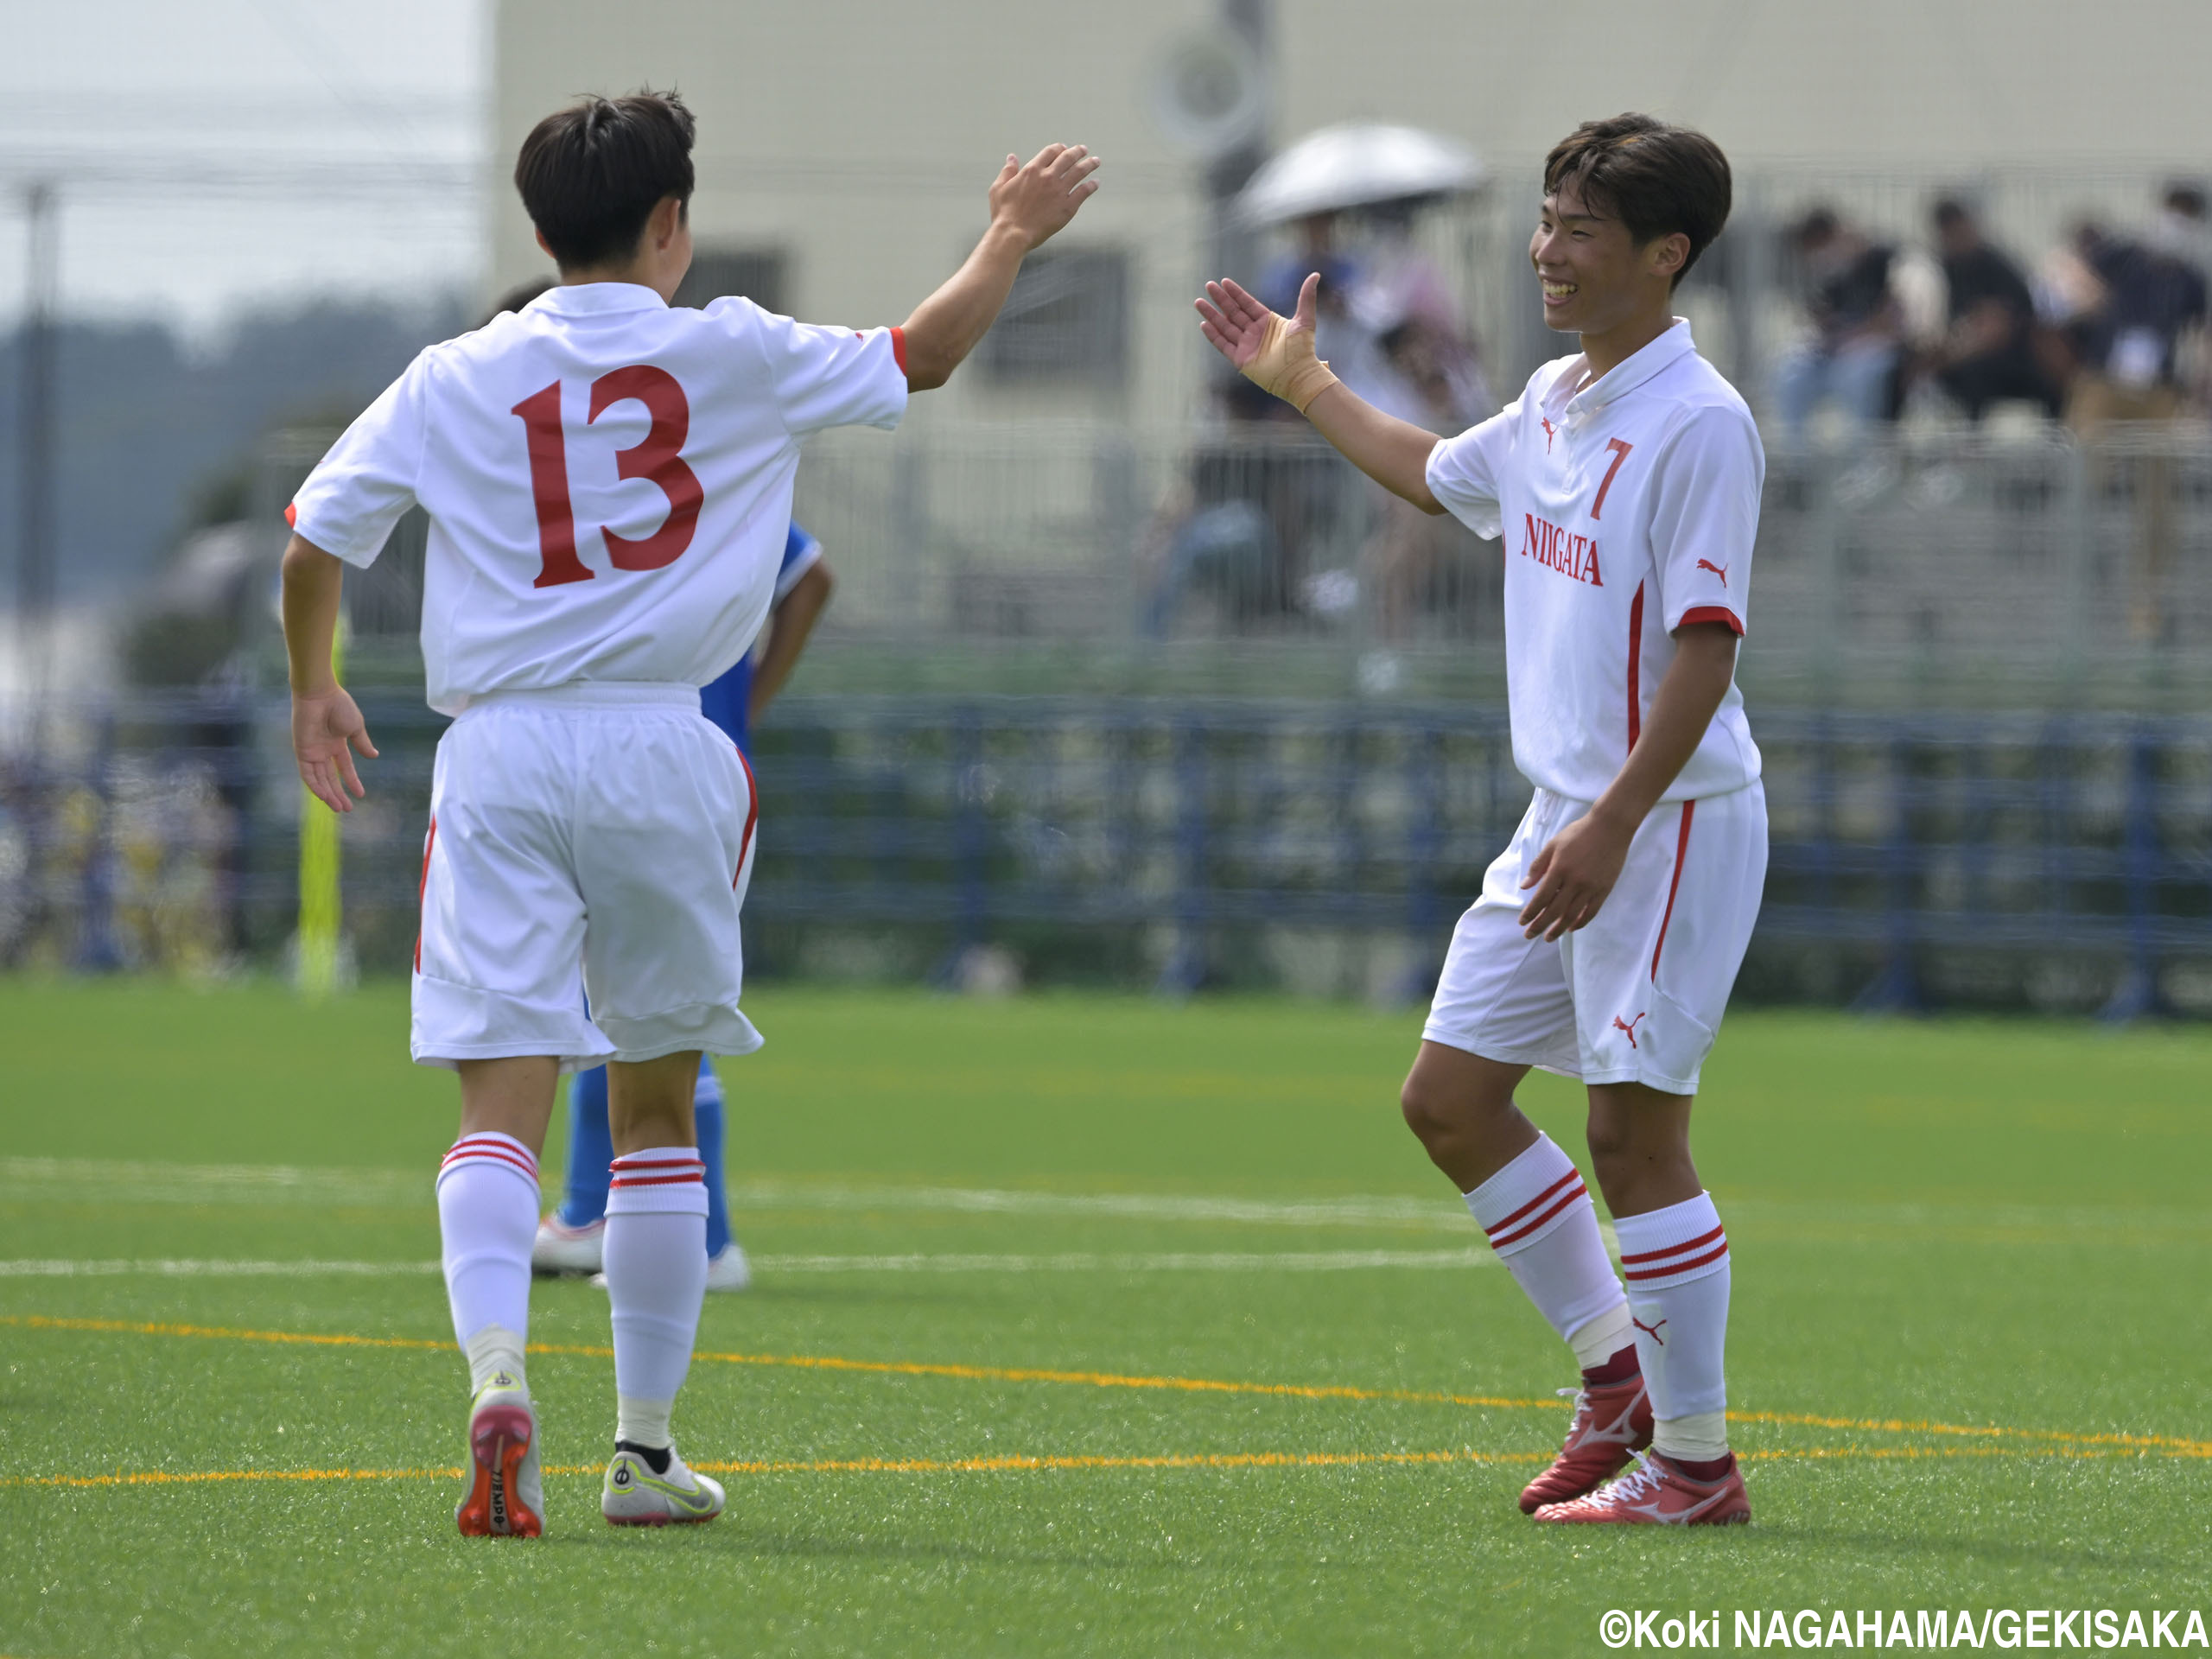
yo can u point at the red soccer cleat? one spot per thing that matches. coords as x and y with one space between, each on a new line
1612 1423
504 1498
1657 1493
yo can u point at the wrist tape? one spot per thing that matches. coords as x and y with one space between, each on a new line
1285 365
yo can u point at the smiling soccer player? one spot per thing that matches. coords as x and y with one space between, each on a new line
1625 480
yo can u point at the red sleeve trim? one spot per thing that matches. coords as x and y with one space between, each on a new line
1711 614
292 514
898 348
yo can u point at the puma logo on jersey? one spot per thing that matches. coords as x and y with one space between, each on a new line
1550 432
1719 570
1629 1025
1562 550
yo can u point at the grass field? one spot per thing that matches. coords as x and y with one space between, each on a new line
1083 1325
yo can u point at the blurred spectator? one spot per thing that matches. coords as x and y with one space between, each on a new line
1426 369
1988 352
2070 298
1287 530
1853 360
2153 300
2135 349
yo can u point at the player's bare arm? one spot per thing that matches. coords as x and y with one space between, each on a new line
326 725
1577 868
1276 354
789 625
1030 203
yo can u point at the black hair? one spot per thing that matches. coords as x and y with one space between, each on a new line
591 175
1657 179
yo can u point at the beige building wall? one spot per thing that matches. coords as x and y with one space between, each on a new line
858 137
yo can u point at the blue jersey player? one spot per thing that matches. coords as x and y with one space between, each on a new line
568 1240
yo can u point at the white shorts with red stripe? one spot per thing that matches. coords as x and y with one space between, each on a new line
598 826
1637 996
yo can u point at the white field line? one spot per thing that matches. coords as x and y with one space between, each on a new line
80 1180
1426 1214
1159 1261
205 1269
102 1181
1077 1262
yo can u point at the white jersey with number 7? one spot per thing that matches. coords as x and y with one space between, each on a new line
1629 507
608 481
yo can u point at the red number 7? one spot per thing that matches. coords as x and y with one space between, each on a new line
658 457
1620 448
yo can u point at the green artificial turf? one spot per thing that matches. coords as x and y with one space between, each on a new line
1999 1226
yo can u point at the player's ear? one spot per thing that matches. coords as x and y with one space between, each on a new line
1668 254
543 246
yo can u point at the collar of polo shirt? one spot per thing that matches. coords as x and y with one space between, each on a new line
1632 372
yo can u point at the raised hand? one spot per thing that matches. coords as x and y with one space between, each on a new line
1275 353
1036 201
325 730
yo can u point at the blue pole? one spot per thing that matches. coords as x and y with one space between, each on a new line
2137 994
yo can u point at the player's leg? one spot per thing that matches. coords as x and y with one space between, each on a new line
662 963
1651 974
569 1240
494 998
487 1211
726 1268
591 1149
1502 1007
1675 1257
656 1275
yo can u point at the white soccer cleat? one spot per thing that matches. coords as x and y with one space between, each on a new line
633 1496
560 1248
729 1270
505 1498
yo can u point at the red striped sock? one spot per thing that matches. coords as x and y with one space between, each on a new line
487 1219
656 1255
1538 1217
1675 1261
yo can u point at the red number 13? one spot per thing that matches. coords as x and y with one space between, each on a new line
657 457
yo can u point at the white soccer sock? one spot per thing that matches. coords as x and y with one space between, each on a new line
1540 1220
656 1255
1675 1261
488 1217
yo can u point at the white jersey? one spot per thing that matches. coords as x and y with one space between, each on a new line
1629 509
608 481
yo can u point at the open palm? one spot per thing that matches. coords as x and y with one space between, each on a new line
1237 324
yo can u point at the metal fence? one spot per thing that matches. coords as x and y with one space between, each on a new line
2059 863
2025 566
1945 566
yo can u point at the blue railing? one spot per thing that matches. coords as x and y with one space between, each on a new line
1930 860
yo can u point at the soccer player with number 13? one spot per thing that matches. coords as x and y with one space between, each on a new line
608 481
1626 480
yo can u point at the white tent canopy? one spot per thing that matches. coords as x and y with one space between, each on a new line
1353 166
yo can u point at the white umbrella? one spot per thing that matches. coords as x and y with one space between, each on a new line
1353 166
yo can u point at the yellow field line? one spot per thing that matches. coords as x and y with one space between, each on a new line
2178 1446
1025 1464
